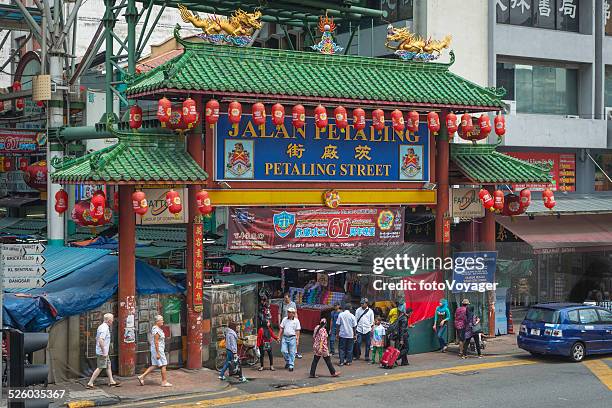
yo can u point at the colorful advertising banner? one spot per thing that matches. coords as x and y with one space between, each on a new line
21 141
279 228
563 170
247 152
474 268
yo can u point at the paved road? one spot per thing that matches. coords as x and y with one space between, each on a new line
508 381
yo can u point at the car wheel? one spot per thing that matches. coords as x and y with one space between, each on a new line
533 353
577 352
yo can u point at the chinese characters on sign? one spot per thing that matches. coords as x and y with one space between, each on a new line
21 141
247 152
562 170
552 14
198 266
278 228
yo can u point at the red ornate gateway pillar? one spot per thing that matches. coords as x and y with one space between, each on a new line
195 255
487 236
442 215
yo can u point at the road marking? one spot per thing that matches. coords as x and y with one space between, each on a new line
176 398
601 371
352 383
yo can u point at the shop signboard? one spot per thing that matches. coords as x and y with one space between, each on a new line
501 321
247 152
21 141
158 209
474 268
279 228
563 170
198 266
465 203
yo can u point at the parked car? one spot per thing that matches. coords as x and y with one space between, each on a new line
566 329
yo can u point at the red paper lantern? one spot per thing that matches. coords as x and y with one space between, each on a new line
498 200
61 201
212 112
40 104
259 114
341 117
116 201
97 205
234 112
359 119
486 199
320 117
451 124
378 119
82 216
135 116
173 202
485 125
512 205
278 114
19 103
298 116
23 164
525 196
397 121
433 122
139 202
412 124
16 86
190 112
177 122
7 164
500 125
549 199
203 202
466 124
164 110
35 175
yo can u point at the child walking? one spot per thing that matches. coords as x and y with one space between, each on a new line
378 340
265 335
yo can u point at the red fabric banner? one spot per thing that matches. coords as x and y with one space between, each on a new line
423 301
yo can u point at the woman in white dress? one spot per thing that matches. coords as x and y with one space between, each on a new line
158 355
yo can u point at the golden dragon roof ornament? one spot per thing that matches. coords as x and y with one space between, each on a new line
411 47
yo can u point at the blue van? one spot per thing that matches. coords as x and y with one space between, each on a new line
566 329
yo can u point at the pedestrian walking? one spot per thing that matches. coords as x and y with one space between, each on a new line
290 337
333 331
231 348
158 353
265 335
378 340
103 341
365 322
319 347
471 331
346 335
285 306
460 325
402 333
440 326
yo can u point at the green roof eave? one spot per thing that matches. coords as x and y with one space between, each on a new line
483 164
226 70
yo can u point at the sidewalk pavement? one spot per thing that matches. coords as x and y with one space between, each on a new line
206 381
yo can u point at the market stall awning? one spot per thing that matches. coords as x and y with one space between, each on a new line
313 77
598 203
569 233
245 279
137 158
151 252
482 164
16 202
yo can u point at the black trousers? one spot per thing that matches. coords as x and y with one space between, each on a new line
476 339
315 362
404 349
261 356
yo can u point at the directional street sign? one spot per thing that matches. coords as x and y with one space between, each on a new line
22 249
21 271
24 283
26 260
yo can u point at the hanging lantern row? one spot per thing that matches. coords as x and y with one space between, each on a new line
468 131
140 204
82 215
176 119
512 204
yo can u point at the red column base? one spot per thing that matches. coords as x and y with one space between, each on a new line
194 340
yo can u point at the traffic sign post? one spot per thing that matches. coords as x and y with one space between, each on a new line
22 249
29 282
20 271
25 260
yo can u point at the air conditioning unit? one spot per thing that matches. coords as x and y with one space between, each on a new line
608 113
510 106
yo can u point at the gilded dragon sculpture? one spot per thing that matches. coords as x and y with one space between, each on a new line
411 46
239 24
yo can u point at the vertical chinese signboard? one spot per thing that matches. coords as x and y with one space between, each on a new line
198 266
562 170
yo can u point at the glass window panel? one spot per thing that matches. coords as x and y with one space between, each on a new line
523 80
567 15
544 14
588 316
520 12
608 11
503 11
505 79
608 86
405 9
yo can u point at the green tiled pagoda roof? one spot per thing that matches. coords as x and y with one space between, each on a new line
136 159
483 164
310 76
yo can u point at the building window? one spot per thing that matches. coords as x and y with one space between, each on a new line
608 86
608 11
551 14
397 10
540 89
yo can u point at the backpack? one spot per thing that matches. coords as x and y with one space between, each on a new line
460 318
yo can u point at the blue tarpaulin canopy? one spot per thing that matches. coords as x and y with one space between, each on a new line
82 290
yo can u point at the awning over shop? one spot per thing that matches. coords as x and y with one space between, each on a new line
599 203
570 233
151 252
15 202
245 279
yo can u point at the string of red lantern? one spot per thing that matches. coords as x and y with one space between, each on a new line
259 114
341 117
378 119
139 203
212 112
549 199
298 116
278 114
433 123
173 202
320 117
203 202
135 116
61 201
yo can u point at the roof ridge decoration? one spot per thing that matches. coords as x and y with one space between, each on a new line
411 47
327 44
238 29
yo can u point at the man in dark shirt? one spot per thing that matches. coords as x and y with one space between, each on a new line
402 333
